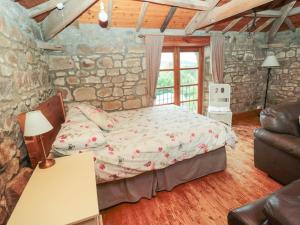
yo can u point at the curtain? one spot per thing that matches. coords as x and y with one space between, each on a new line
154 45
217 57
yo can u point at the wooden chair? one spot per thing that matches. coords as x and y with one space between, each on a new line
219 103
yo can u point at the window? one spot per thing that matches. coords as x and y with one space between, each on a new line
180 78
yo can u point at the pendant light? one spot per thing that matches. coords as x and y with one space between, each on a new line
103 18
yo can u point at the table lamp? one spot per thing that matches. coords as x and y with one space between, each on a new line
36 124
270 62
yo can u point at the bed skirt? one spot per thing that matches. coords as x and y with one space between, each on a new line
148 184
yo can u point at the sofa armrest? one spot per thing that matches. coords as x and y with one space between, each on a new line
283 206
288 143
251 214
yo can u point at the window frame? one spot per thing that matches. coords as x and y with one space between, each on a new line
176 73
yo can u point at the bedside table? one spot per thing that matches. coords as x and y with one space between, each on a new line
63 194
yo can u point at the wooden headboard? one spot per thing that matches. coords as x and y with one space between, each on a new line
53 110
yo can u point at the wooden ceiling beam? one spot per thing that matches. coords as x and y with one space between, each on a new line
264 25
58 20
290 24
200 16
295 11
168 18
44 7
141 18
265 13
225 11
231 25
279 21
188 4
49 46
246 27
209 28
109 13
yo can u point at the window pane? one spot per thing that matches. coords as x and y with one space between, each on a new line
167 60
188 59
188 93
165 79
164 96
188 77
191 106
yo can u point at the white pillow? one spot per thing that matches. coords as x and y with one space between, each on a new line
98 116
77 136
75 115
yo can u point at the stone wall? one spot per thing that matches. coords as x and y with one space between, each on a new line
243 59
103 67
24 82
285 80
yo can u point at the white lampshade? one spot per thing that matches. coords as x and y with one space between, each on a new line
36 124
270 62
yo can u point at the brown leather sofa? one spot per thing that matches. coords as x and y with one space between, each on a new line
277 143
280 208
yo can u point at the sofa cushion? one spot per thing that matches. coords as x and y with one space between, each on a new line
283 207
282 118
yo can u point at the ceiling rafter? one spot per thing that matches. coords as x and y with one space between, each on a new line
109 13
168 18
44 7
142 14
57 21
264 25
188 4
290 24
225 11
247 26
209 28
200 16
231 25
278 22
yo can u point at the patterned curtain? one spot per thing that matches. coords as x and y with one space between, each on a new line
154 45
217 56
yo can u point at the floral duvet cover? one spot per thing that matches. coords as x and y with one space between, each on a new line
154 138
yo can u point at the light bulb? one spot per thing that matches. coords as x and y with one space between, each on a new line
102 15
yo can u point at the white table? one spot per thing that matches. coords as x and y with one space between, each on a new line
63 194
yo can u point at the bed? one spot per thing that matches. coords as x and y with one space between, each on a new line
150 150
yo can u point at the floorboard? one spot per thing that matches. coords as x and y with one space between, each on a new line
207 200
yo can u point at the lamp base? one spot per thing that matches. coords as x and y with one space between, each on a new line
46 163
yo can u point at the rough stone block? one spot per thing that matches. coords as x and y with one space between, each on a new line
6 89
113 72
7 151
104 92
141 90
72 80
105 62
16 186
132 104
132 77
88 64
84 94
112 105
132 62
60 62
117 92
59 81
91 80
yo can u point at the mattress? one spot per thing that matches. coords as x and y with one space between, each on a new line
154 138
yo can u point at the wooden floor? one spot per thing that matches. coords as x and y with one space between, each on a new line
207 200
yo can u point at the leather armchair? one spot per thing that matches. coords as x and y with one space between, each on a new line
280 208
277 143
